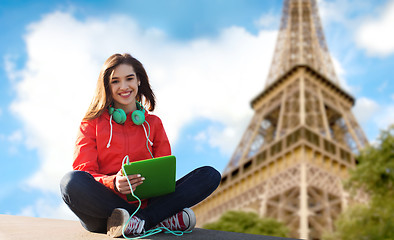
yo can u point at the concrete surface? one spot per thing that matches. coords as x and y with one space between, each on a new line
21 228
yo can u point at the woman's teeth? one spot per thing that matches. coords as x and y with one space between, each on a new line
125 94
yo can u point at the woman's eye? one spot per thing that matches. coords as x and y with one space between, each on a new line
114 82
129 79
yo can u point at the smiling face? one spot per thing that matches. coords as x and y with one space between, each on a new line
124 87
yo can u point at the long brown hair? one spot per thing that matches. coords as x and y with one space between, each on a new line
103 97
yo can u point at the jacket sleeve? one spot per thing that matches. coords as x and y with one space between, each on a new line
85 154
161 145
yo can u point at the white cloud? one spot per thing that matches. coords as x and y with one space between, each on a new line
383 86
333 11
48 208
15 139
213 78
344 12
386 117
268 21
224 138
370 113
375 35
9 66
16 136
341 75
365 109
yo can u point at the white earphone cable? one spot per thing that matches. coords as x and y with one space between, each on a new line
151 231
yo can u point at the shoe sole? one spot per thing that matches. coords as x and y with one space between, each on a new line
192 218
116 222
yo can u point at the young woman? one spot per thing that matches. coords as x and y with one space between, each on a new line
96 190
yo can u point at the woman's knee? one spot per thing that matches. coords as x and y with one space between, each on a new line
73 180
212 175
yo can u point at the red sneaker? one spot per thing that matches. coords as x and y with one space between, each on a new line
185 220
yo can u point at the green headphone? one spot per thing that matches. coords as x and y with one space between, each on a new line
119 115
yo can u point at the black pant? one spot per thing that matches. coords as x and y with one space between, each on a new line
93 203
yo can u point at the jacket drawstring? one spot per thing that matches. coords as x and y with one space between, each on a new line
110 134
146 134
147 137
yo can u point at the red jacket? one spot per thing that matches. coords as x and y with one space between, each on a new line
92 155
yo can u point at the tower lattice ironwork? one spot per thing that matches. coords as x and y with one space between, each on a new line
301 141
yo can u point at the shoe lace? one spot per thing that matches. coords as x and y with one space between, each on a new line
172 223
135 226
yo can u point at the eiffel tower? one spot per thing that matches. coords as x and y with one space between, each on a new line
301 141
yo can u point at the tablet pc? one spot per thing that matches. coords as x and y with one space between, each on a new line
159 174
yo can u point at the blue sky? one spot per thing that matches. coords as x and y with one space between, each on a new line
206 59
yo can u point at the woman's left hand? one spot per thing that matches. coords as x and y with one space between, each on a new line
122 185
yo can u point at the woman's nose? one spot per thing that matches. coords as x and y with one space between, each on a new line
123 85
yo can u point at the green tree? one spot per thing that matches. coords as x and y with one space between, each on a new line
248 222
375 176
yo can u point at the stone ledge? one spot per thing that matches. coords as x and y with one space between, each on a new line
30 228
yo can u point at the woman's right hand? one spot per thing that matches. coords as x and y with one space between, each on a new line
121 185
